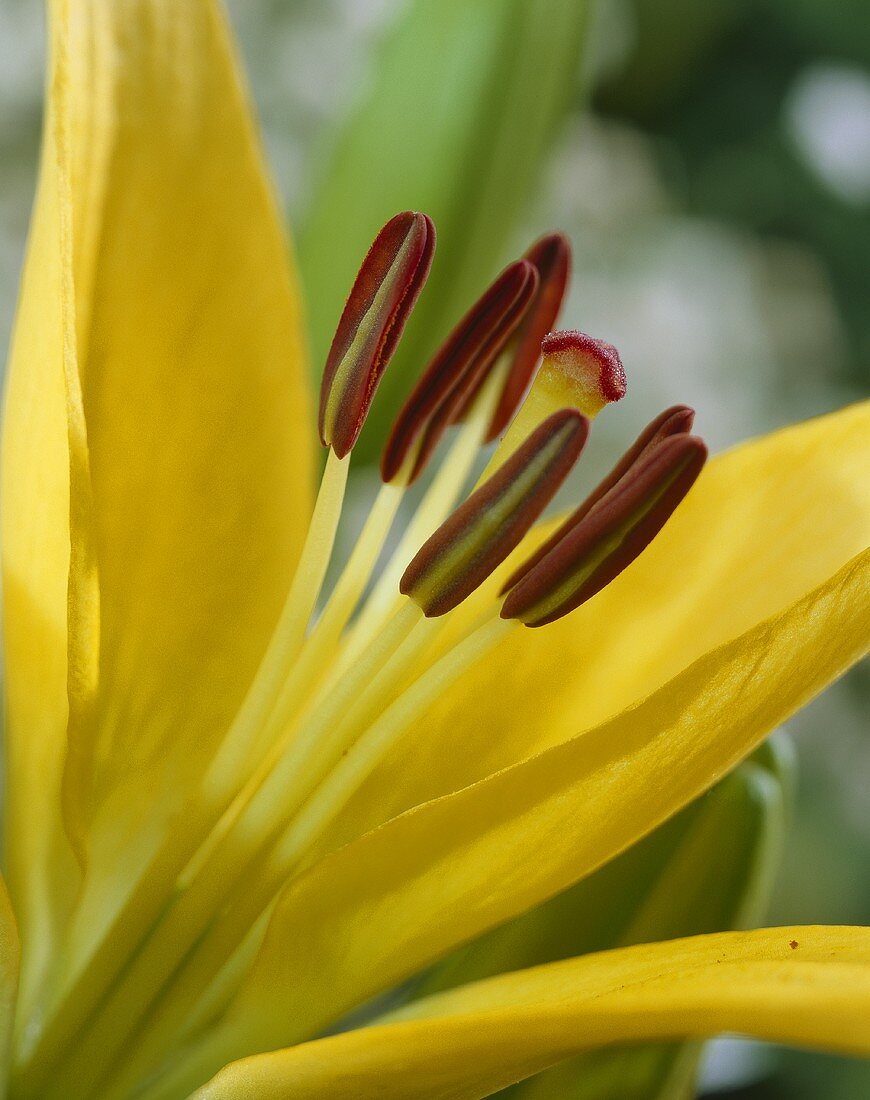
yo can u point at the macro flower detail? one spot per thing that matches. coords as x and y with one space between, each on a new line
389 282
251 809
459 369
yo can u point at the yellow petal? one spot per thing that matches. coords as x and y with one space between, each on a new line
708 869
162 416
403 895
36 555
191 368
697 873
765 524
804 986
9 952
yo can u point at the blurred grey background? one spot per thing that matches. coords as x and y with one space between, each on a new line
713 173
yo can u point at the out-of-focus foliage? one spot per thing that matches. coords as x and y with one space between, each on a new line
738 93
456 120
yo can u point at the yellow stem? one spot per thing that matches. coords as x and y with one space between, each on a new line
253 895
248 827
433 509
246 735
83 981
333 794
319 648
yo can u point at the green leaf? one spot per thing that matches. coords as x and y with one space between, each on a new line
708 869
457 122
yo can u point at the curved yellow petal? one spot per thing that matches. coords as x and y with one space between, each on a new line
403 895
804 986
158 455
766 523
9 957
192 371
708 869
35 537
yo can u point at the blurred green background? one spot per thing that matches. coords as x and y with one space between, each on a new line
710 161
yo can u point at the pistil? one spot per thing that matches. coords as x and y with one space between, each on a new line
577 371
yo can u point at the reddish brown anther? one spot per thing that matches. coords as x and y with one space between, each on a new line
380 302
551 257
677 420
481 533
457 371
611 534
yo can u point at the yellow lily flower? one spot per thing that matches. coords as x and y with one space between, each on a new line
225 831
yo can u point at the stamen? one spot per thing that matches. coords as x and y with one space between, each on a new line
473 384
435 506
676 420
577 371
380 302
457 372
586 555
551 257
481 533
383 294
659 463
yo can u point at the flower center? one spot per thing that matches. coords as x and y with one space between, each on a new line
336 691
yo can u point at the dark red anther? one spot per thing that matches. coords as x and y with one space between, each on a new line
551 256
611 534
380 302
457 371
677 420
481 533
